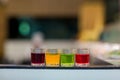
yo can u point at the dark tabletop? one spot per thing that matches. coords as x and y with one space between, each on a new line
71 68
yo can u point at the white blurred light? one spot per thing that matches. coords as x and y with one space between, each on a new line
116 47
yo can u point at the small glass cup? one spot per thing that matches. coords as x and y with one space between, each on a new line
82 58
67 58
52 58
38 57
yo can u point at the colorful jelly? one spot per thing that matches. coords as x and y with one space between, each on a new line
38 57
82 58
67 58
52 58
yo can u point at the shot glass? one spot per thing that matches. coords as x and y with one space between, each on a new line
67 58
38 57
52 58
82 58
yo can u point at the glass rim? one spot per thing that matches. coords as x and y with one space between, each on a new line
54 51
38 50
67 51
83 51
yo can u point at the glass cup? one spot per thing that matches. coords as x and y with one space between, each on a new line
38 57
67 58
52 58
82 58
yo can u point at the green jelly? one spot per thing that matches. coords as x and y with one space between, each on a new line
67 60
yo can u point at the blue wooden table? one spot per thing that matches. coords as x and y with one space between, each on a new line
18 72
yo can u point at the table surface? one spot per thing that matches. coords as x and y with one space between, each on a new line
28 72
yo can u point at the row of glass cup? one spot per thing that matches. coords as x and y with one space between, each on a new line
63 58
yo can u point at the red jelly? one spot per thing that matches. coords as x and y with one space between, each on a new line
82 58
38 57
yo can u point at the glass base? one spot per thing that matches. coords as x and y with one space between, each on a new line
36 64
52 65
67 65
82 65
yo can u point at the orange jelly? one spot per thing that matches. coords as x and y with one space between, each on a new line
52 58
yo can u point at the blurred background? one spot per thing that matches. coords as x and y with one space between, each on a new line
63 23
